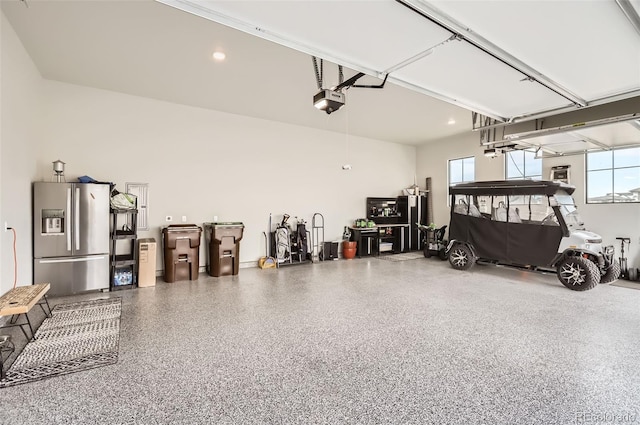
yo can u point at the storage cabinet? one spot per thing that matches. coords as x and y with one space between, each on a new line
383 210
392 238
389 241
384 238
406 211
366 241
123 253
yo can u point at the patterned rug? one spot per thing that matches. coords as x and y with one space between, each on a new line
78 336
402 257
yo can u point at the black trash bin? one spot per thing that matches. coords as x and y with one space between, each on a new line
181 252
223 241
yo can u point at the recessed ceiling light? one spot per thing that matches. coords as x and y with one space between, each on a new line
219 56
451 121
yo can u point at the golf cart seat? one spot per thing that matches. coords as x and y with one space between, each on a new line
466 209
500 214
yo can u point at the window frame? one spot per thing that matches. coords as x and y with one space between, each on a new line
449 161
507 158
612 171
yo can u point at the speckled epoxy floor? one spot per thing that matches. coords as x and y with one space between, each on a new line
362 341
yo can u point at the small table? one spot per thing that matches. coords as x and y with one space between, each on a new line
20 300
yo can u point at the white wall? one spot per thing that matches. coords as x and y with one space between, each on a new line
610 221
202 163
432 162
20 118
198 163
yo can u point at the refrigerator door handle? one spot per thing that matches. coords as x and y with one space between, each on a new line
72 260
76 218
67 213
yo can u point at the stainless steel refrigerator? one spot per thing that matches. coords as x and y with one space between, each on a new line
71 236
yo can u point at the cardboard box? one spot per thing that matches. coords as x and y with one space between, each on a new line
147 249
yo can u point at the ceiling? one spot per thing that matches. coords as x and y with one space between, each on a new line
146 48
509 61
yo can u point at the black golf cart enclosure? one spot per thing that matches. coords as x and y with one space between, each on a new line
527 223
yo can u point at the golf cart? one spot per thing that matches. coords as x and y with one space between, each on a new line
527 223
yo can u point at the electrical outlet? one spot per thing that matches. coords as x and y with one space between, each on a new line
168 218
184 218
215 218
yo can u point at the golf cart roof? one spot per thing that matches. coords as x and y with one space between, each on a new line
511 187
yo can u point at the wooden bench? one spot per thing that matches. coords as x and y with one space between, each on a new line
20 300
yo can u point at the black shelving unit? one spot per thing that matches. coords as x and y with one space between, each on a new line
366 241
383 210
388 240
393 234
403 210
123 249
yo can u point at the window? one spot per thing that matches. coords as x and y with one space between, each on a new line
613 176
523 164
462 170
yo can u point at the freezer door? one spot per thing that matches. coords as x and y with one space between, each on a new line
52 221
72 275
91 219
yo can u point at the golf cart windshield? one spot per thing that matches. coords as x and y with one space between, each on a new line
569 211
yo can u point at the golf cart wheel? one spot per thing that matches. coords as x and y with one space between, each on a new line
612 274
461 257
427 254
442 254
578 274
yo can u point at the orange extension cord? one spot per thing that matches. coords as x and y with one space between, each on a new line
15 259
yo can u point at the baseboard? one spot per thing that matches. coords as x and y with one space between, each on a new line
243 265
203 269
